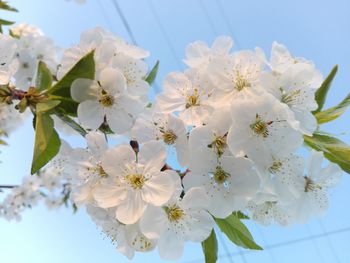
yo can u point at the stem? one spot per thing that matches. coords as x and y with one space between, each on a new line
8 186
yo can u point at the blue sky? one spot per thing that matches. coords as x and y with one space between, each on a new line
317 30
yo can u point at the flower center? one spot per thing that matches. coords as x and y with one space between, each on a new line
260 127
136 181
106 100
310 185
169 137
241 83
98 170
175 213
275 167
193 100
219 144
220 176
291 97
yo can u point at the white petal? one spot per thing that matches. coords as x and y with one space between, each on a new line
96 142
109 194
153 155
158 189
154 222
90 114
195 198
203 224
131 209
113 81
83 89
119 121
114 160
170 246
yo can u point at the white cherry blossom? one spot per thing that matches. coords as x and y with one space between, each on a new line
230 182
179 220
105 100
261 129
134 181
163 127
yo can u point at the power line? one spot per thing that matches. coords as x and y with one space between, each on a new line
105 16
206 13
124 20
286 243
227 21
329 241
162 29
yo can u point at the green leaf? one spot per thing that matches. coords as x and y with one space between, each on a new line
5 6
321 93
153 73
70 122
210 248
84 68
44 77
237 232
6 22
240 215
334 149
47 142
333 112
46 105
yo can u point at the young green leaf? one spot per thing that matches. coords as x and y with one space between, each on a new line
237 232
44 77
321 93
84 68
210 248
334 149
46 105
47 142
333 112
240 215
153 73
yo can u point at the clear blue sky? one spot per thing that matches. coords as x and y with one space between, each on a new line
315 29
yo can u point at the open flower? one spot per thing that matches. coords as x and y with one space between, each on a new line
261 129
105 100
229 183
134 181
187 95
163 127
179 220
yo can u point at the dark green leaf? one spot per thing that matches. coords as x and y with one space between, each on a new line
210 248
6 22
47 142
333 112
321 93
153 73
70 122
237 232
334 149
84 68
5 6
44 77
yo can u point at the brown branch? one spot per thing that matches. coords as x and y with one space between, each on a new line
8 186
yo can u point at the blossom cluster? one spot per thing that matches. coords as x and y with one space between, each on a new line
20 53
235 122
48 186
231 125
